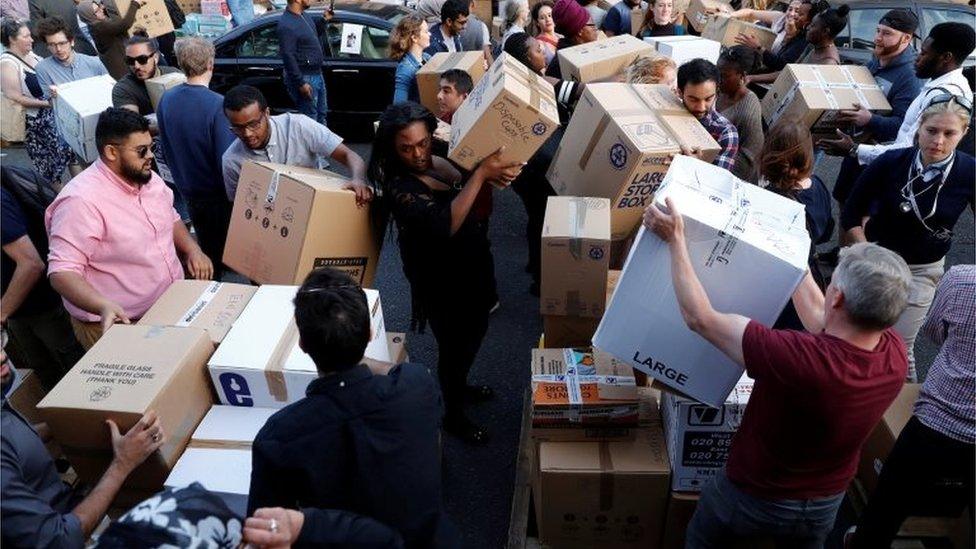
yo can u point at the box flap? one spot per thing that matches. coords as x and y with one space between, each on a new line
227 471
644 454
210 305
577 218
252 340
231 424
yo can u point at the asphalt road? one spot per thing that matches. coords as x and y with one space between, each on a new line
478 480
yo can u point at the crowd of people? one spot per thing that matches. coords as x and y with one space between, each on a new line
357 461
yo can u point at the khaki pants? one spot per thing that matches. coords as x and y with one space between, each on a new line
925 278
86 332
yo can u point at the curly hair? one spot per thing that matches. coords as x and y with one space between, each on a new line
787 155
403 33
646 70
384 162
9 28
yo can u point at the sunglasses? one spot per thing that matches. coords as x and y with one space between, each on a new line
960 100
140 59
142 151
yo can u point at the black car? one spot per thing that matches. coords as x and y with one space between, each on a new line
359 85
856 41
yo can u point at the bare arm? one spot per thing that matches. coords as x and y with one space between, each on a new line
491 170
80 293
10 83
197 263
29 269
764 16
767 78
808 301
357 166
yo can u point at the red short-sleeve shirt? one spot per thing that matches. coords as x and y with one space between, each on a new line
815 401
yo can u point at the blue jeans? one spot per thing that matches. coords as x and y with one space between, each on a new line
242 11
317 107
725 514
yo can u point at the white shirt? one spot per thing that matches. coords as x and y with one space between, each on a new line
953 81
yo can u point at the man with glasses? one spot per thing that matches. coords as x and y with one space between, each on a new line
292 139
114 235
65 64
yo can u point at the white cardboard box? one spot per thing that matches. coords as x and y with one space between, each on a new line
76 110
682 49
699 436
259 362
749 248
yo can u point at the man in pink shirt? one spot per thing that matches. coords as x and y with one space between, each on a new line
114 235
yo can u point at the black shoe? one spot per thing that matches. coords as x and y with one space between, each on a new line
478 393
460 426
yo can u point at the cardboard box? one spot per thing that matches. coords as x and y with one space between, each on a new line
637 16
699 436
397 343
602 494
882 439
697 13
76 111
682 49
572 386
152 16
510 106
681 507
189 6
568 331
157 86
724 29
815 94
429 75
648 414
130 370
601 59
617 144
259 362
288 221
575 256
737 234
24 396
208 305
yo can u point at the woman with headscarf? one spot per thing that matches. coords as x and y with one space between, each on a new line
575 25
109 30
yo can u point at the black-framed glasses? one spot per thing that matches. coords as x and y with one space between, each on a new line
140 59
142 150
252 126
58 45
960 100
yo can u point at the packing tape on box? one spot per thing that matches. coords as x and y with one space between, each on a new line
535 97
272 193
199 305
606 477
573 392
828 88
273 371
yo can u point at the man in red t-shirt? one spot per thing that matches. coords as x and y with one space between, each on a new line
817 394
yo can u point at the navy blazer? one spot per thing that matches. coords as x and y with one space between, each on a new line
437 41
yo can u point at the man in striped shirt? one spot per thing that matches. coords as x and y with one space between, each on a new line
698 88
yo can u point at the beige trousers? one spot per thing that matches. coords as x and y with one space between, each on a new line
925 278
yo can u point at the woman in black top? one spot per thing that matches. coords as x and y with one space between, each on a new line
446 257
908 200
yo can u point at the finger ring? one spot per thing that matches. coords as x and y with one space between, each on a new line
274 526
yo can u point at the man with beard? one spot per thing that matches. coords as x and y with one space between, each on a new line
114 235
142 58
698 89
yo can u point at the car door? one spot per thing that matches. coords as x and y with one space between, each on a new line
358 73
259 65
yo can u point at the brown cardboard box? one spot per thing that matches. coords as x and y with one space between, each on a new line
429 75
681 507
602 494
601 59
617 144
26 395
289 220
189 6
724 29
398 353
575 256
204 304
568 331
637 16
130 370
648 414
576 387
815 94
696 15
152 16
510 106
157 86
880 442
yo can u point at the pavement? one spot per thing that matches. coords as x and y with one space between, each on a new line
478 480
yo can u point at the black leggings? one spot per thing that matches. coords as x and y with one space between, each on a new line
534 190
459 328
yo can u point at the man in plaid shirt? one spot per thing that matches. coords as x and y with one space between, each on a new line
938 445
698 87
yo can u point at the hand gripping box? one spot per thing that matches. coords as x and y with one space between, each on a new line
429 75
699 436
601 59
724 29
209 305
157 86
132 369
288 221
617 145
815 94
682 49
510 106
749 248
575 256
259 362
76 110
572 386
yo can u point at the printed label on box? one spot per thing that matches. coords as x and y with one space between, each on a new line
355 267
706 448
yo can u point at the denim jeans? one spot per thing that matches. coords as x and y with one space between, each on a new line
725 514
241 11
315 108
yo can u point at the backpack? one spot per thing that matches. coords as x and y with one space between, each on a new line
34 194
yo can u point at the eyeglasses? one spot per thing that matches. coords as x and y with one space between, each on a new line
58 45
141 59
251 126
960 100
142 150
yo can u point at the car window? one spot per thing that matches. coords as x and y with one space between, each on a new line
932 16
861 26
262 42
354 41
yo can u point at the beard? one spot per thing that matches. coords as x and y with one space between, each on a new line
884 51
136 175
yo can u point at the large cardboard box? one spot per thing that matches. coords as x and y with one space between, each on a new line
568 331
209 305
815 94
699 436
152 16
601 59
682 49
510 106
697 13
571 386
880 442
724 29
648 413
76 111
260 363
189 6
617 145
288 221
157 86
681 507
737 234
132 369
575 256
429 75
602 494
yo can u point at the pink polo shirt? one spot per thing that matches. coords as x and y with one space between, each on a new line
117 237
